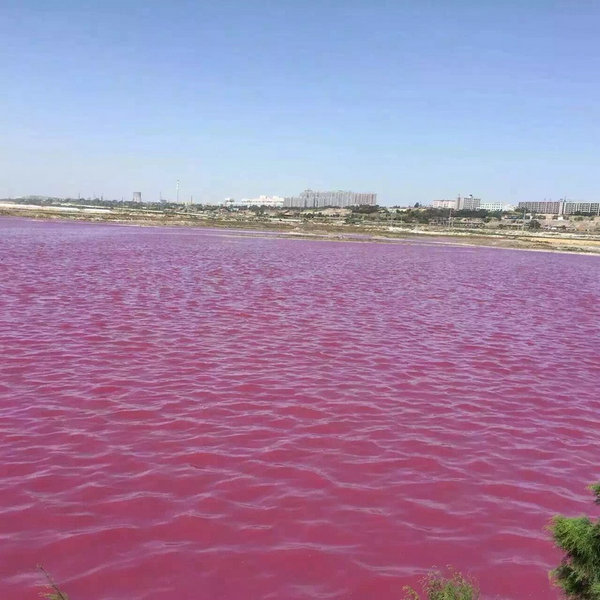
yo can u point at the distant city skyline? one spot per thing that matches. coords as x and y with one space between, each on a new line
334 198
414 101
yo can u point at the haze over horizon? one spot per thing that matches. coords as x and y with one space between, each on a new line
414 101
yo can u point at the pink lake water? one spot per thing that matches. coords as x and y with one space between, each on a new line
200 414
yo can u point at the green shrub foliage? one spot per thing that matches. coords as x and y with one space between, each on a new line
579 537
452 586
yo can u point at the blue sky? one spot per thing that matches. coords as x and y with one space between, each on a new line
414 100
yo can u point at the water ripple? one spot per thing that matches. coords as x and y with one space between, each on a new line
206 414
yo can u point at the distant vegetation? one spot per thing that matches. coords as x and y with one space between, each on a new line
394 220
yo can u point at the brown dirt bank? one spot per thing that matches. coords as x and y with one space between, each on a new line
554 242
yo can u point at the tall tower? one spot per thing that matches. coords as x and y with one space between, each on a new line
177 188
137 197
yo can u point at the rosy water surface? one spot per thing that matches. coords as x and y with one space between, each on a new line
199 414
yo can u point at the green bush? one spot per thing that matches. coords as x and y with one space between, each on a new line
452 586
579 537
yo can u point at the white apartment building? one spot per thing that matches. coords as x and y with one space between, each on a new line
461 203
444 204
493 206
562 207
340 198
467 203
266 201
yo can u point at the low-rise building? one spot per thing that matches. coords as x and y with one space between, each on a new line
444 204
542 208
461 203
561 207
494 206
267 201
583 208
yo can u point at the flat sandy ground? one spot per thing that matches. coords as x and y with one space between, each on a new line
543 241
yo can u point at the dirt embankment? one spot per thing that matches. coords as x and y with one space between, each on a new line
332 230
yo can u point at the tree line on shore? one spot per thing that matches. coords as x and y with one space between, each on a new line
415 215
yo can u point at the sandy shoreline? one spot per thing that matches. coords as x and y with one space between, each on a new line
555 242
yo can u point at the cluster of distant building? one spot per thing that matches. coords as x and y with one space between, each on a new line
313 199
266 201
562 207
471 203
341 199
309 199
